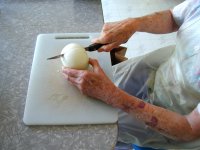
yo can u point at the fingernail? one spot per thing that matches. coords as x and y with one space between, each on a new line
100 50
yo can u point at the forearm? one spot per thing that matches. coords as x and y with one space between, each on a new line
168 123
115 33
158 23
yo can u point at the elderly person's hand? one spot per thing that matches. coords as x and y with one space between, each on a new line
115 33
93 83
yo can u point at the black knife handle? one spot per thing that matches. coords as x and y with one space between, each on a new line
94 47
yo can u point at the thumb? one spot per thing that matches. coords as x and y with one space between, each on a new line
95 65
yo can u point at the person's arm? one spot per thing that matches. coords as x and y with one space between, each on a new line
158 23
170 124
115 33
96 84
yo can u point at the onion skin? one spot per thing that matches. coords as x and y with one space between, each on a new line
75 57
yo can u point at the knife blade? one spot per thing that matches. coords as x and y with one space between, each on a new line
55 57
90 48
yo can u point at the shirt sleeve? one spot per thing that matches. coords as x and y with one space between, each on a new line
185 10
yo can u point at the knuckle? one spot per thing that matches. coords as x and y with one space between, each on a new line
81 80
85 75
108 47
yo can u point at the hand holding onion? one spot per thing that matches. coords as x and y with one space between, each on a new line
93 82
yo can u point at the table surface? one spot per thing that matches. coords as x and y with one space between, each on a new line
20 23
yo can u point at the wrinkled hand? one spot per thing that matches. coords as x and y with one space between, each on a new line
93 83
114 34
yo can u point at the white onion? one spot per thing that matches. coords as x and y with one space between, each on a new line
75 56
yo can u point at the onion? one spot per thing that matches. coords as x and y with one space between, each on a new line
75 57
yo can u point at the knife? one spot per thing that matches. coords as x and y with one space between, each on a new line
90 48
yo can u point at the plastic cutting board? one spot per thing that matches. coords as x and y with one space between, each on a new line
53 101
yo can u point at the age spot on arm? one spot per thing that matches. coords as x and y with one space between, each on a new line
127 108
153 122
141 105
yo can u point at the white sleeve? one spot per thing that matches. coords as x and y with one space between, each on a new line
184 10
179 12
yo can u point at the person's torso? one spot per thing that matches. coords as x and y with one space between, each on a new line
177 82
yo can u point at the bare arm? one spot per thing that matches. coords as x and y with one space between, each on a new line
158 23
96 84
116 33
171 124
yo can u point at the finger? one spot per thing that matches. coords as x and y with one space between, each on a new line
108 26
74 81
101 49
102 40
71 80
96 66
96 40
108 47
65 76
105 48
106 37
71 72
77 83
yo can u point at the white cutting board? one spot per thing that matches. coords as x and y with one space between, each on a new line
51 100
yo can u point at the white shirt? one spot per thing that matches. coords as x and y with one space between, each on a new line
177 81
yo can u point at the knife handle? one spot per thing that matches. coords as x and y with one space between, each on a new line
94 47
